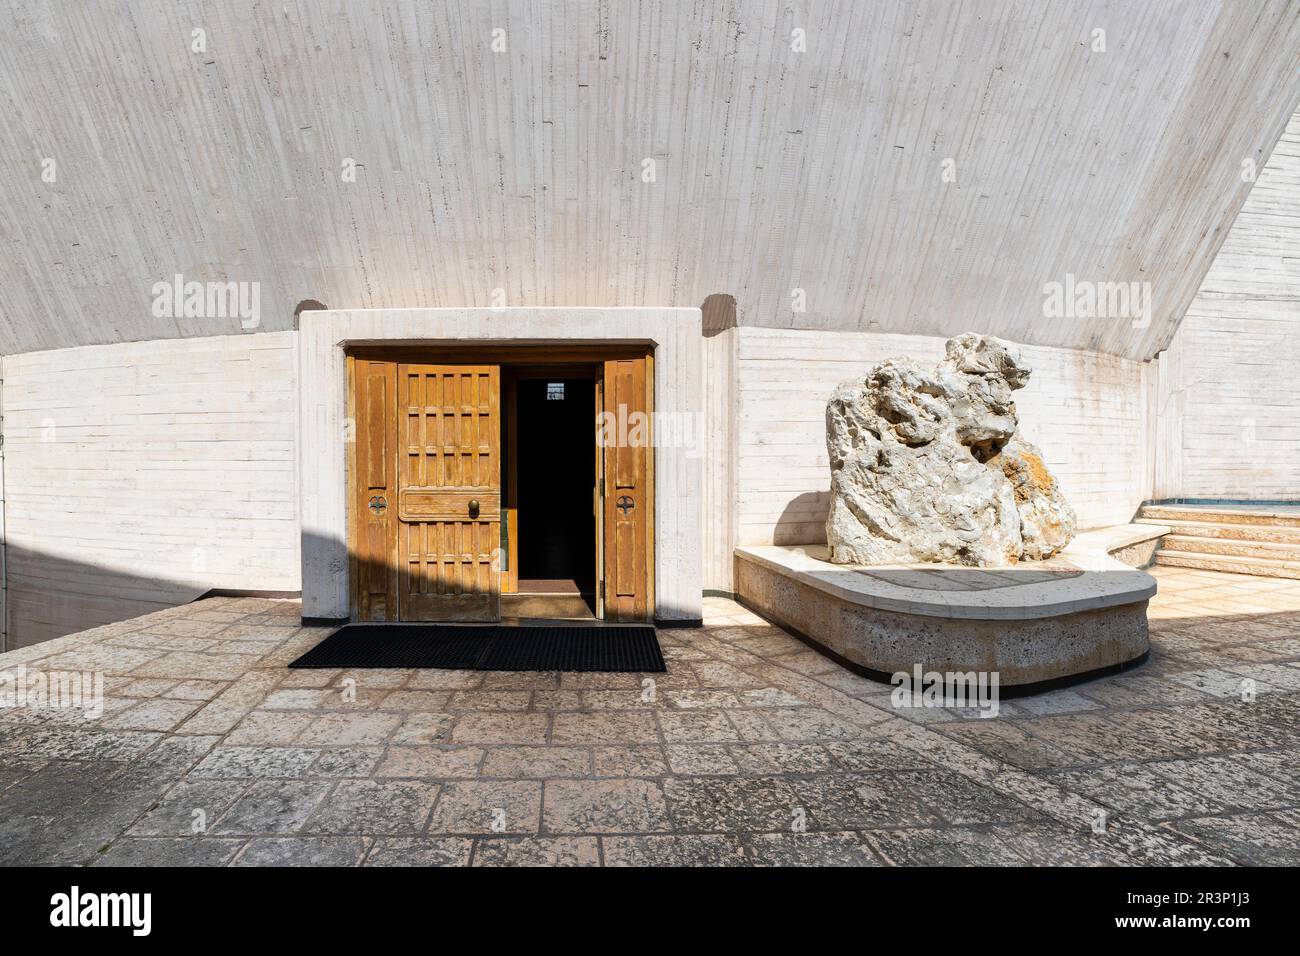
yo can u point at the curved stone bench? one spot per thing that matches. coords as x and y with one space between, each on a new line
1080 614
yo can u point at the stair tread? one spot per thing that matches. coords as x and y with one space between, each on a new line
1283 509
1230 557
1231 516
1177 524
1291 565
1143 518
1233 542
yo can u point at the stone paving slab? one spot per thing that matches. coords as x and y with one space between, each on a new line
752 749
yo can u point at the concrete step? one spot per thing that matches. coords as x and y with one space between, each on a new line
1279 534
1231 547
1260 567
542 604
1261 515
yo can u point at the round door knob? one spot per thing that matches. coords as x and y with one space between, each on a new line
473 507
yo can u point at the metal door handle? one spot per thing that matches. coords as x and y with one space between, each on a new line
473 507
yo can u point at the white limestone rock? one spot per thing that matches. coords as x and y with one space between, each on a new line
925 467
1047 521
984 372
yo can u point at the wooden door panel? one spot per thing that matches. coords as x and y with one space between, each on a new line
627 494
374 562
423 504
448 468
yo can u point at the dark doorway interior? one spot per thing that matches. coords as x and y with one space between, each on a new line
556 448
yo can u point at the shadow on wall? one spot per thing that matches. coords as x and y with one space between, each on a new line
307 305
803 520
50 596
717 314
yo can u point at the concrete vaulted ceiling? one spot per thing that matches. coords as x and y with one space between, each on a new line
775 169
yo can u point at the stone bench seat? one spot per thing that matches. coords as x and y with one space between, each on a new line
1081 612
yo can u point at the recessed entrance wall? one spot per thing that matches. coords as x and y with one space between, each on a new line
553 482
673 339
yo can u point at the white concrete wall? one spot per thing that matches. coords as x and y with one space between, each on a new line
139 476
720 508
1088 412
1229 424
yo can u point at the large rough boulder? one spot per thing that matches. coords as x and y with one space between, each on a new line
1046 518
925 465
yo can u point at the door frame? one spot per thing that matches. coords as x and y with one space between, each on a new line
320 387
515 356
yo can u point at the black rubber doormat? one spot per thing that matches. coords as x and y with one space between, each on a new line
489 648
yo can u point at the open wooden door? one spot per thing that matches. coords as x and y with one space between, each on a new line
449 492
627 497
374 491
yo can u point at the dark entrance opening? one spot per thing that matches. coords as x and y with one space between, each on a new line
555 470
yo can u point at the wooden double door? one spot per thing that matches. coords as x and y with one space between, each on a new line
425 488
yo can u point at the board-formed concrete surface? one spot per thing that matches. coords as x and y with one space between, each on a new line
752 749
613 179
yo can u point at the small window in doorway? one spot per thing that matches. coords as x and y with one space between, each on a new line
555 391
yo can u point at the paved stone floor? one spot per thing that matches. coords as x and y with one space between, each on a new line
752 749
